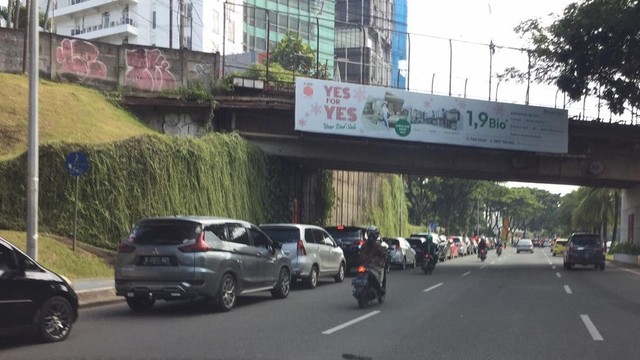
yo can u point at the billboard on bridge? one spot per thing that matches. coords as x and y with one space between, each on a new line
330 107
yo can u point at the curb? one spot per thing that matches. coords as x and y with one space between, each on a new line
97 297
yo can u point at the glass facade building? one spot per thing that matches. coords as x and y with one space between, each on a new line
269 20
399 46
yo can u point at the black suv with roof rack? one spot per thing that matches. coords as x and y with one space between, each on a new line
584 249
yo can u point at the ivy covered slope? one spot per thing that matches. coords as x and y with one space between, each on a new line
139 175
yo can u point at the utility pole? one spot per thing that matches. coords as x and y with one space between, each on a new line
181 12
32 154
26 37
170 24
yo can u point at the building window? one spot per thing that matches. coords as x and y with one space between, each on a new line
125 14
105 20
231 31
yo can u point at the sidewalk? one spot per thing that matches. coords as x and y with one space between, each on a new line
95 292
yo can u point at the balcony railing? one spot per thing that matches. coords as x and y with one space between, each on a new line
87 29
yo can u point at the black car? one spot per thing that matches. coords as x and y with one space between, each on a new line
416 243
350 239
584 249
33 300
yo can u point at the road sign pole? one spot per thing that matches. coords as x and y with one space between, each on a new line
75 214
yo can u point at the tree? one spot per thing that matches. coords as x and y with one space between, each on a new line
294 55
419 199
593 48
23 16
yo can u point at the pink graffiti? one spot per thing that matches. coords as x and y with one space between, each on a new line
79 59
149 70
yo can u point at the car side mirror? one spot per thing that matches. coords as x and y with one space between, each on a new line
276 246
339 242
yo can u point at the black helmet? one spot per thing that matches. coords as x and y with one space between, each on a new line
372 233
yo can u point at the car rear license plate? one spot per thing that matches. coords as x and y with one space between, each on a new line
157 261
580 248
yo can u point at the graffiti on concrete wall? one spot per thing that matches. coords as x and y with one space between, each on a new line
180 124
149 70
79 60
203 73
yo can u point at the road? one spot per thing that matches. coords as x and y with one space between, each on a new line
518 306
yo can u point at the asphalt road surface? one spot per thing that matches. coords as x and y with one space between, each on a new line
517 306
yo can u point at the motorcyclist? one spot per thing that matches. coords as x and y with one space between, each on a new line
482 245
374 256
430 247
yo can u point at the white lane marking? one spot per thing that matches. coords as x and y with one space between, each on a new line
553 267
351 322
568 289
623 269
558 275
433 287
493 262
595 334
467 273
483 266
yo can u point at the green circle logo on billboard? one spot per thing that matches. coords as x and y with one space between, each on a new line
403 128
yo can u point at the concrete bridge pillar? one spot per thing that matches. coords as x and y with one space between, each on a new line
630 215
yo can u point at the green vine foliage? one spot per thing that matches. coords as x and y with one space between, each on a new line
626 248
218 174
391 216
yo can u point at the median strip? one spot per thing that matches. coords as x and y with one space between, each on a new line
433 287
595 334
349 323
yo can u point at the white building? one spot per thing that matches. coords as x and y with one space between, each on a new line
148 22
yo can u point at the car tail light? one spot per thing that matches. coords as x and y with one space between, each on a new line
301 250
125 246
362 269
340 227
199 246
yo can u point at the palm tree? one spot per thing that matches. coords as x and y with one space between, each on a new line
595 209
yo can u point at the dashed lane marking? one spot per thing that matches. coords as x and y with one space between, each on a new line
433 287
568 290
351 322
467 273
595 334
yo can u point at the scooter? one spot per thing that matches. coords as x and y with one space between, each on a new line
429 263
499 250
483 254
364 289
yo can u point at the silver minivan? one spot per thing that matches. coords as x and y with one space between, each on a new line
186 257
312 251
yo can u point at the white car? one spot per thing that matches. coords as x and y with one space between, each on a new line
524 245
401 253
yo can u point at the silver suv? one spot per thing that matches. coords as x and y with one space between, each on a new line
186 257
312 251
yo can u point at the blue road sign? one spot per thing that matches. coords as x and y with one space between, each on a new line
77 163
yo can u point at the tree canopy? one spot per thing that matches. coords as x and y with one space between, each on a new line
593 49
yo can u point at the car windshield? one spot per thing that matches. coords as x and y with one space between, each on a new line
586 240
344 233
283 234
165 232
393 242
524 242
415 243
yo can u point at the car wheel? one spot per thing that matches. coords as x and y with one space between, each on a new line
404 263
341 273
518 252
227 293
554 254
283 285
312 280
56 319
140 304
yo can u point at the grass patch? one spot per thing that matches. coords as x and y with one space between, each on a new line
60 257
67 113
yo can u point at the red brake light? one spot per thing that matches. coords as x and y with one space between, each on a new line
427 256
199 246
362 269
125 246
301 249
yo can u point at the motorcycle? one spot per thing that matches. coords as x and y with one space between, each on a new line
429 263
499 250
364 289
483 254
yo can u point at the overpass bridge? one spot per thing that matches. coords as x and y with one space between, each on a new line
599 154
